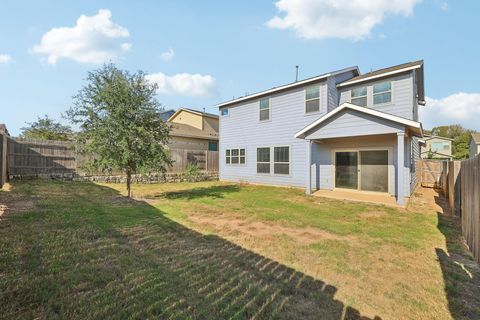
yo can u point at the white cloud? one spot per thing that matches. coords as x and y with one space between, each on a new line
183 84
344 19
459 108
93 39
167 55
6 58
444 6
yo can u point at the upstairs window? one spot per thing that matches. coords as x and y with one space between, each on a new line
265 109
312 99
281 160
382 92
263 160
439 146
224 112
235 156
359 96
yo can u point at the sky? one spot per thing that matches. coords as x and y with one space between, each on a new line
201 53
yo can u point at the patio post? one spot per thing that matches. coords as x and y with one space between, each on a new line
400 168
308 189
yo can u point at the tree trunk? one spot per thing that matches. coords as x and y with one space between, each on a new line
129 179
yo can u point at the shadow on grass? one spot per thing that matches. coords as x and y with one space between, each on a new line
460 272
206 192
140 264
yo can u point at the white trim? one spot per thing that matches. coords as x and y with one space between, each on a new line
319 98
376 113
272 159
386 74
269 162
293 84
239 156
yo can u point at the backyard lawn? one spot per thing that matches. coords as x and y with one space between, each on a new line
214 250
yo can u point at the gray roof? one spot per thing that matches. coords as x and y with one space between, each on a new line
476 137
165 115
380 72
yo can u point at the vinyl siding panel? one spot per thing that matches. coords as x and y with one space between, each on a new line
353 123
242 129
402 92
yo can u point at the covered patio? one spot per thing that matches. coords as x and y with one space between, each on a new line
361 154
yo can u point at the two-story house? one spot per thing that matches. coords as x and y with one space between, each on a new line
435 147
338 130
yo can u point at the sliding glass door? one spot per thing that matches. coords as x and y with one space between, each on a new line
362 170
346 173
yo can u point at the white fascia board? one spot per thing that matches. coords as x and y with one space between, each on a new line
347 83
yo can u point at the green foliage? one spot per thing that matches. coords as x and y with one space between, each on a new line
47 129
119 120
460 136
191 171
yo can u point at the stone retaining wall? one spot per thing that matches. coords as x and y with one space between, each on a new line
136 178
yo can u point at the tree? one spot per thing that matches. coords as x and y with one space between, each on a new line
460 136
120 124
47 129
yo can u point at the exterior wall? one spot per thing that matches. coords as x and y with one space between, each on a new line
188 143
440 154
189 118
474 149
210 124
353 123
402 91
325 161
242 129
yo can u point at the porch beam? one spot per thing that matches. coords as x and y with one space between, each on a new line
308 189
401 168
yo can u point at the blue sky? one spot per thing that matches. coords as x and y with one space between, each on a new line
205 52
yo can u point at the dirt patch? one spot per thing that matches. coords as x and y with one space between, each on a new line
261 229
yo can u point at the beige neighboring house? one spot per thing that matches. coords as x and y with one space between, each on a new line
474 144
193 130
440 147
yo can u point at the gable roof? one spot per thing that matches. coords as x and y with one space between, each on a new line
429 137
476 138
165 115
416 126
200 113
287 86
383 72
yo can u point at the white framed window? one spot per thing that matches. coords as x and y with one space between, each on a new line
263 160
359 96
224 112
281 160
235 156
382 92
312 99
264 109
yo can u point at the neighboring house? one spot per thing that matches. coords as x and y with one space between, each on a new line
474 144
337 130
165 115
193 130
435 147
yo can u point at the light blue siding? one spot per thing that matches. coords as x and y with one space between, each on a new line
402 91
242 128
351 123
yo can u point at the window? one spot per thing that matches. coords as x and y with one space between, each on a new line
224 112
312 99
235 156
212 145
265 109
359 96
263 160
437 146
382 92
281 160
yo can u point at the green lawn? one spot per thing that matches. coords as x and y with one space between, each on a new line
214 250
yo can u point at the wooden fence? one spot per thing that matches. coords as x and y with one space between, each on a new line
459 181
470 204
3 154
28 157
